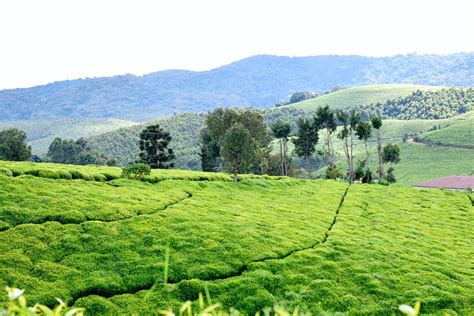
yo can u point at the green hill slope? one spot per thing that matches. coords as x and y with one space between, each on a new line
362 95
41 133
320 245
460 133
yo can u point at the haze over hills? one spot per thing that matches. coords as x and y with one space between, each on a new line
259 81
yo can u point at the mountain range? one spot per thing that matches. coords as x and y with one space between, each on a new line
258 81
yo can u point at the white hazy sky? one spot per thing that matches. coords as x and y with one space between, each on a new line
50 40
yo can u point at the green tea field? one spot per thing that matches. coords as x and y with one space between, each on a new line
361 96
98 241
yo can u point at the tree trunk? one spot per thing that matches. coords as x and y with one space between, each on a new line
351 160
285 155
281 158
308 166
346 152
368 154
379 150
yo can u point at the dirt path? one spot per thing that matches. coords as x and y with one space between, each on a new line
417 142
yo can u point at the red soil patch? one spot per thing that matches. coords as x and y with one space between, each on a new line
453 182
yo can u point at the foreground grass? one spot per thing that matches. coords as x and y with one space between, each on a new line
218 229
388 246
318 245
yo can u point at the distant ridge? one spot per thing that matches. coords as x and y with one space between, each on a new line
259 81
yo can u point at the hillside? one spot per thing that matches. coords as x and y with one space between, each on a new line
184 128
260 81
320 245
41 133
362 95
459 134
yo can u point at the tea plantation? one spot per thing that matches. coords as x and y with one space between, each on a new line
97 241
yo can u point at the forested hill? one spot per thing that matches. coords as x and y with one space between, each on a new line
260 81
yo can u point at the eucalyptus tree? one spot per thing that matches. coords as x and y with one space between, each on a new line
281 131
377 124
363 132
325 120
305 141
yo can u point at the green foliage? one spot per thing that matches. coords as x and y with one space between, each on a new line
224 129
281 129
391 153
305 141
153 144
428 105
390 177
332 172
136 171
41 133
75 152
239 150
13 145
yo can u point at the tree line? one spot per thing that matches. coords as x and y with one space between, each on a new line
239 141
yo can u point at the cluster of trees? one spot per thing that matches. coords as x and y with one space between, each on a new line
234 140
427 105
13 145
76 152
239 141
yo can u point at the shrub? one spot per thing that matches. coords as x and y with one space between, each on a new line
99 177
6 172
383 181
110 176
32 172
367 178
49 174
390 177
137 171
63 174
333 173
16 172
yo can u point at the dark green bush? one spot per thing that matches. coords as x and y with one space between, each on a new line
32 172
136 171
67 217
110 176
16 172
190 289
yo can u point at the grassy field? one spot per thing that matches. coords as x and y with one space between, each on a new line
320 245
460 133
41 133
362 95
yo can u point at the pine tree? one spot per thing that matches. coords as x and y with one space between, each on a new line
153 144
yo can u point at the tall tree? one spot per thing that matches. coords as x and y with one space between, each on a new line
364 131
153 144
377 124
13 145
305 141
218 123
239 149
391 154
354 119
281 130
343 135
325 119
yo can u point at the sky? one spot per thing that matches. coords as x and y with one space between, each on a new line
51 40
